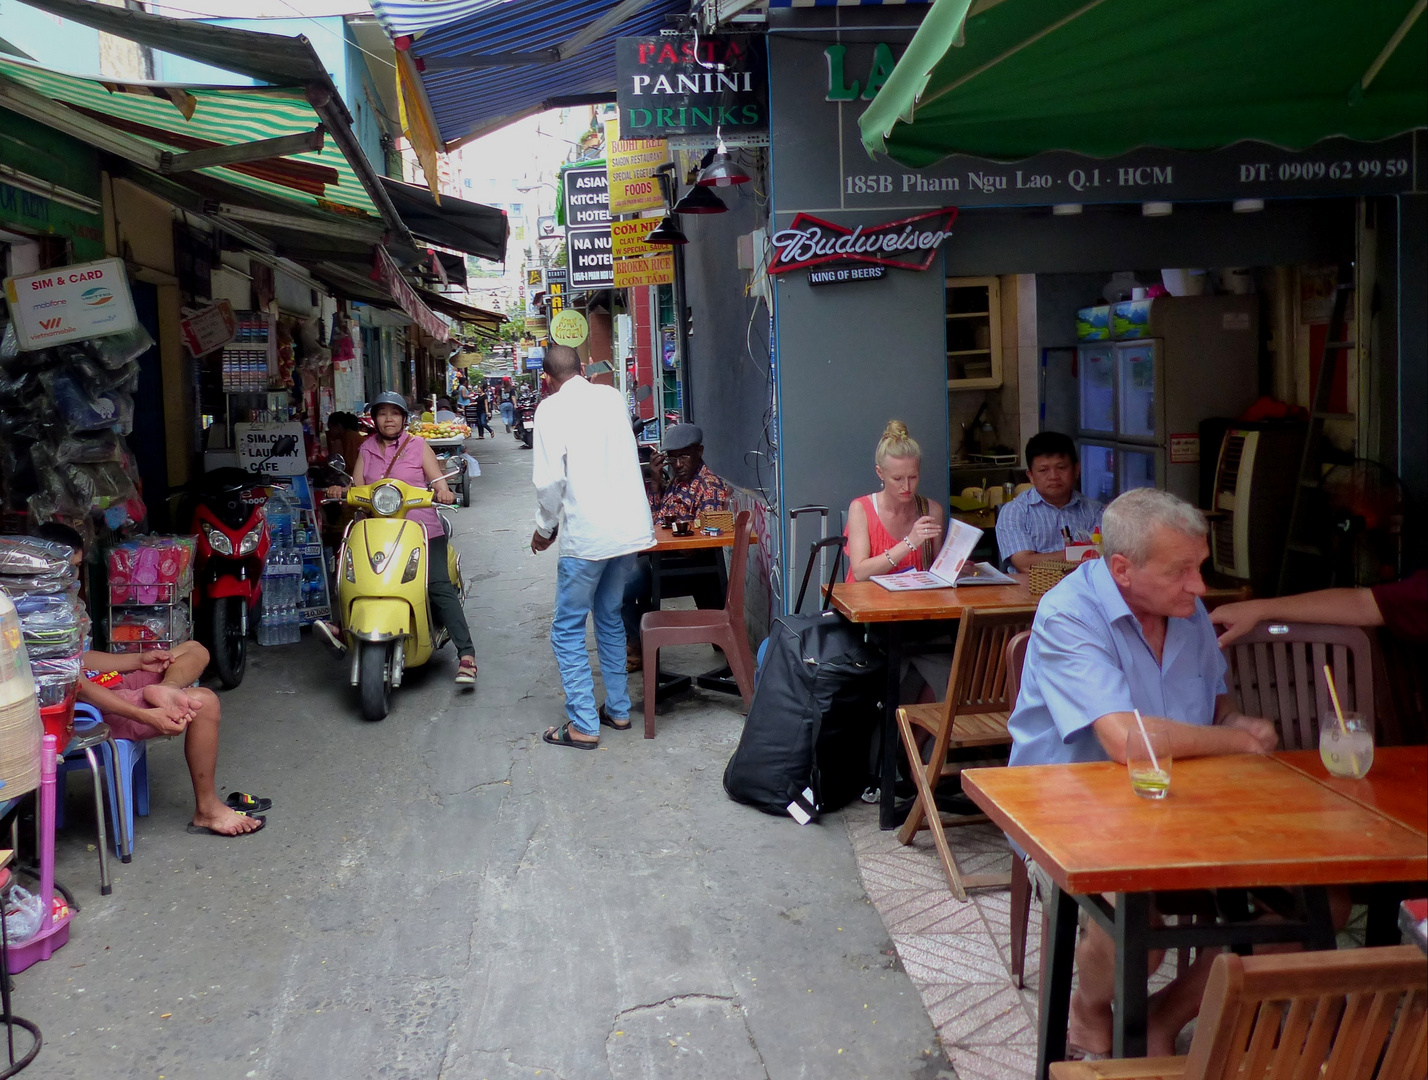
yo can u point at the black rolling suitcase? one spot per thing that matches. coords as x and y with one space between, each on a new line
804 748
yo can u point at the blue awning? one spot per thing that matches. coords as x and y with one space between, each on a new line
486 63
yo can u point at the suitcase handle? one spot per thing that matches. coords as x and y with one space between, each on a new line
839 542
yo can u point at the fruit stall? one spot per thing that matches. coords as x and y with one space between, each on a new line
448 439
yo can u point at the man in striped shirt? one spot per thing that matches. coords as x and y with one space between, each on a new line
1029 528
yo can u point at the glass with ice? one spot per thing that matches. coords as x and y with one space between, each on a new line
1346 750
1148 762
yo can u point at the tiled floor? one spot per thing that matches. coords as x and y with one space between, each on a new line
958 954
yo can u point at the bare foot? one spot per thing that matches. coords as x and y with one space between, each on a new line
172 700
1090 1026
226 822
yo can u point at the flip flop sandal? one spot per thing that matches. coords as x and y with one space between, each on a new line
248 804
466 673
201 830
561 737
1077 1053
607 720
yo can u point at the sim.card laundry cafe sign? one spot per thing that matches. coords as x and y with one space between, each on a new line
834 253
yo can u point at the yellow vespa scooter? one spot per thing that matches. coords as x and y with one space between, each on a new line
381 590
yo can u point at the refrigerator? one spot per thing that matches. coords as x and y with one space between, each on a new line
1171 363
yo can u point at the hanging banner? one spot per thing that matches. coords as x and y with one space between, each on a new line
692 85
70 303
657 270
209 329
588 258
630 167
627 239
385 271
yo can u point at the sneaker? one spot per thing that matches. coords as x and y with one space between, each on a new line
331 637
466 672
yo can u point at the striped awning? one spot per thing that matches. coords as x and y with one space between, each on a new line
842 3
486 63
181 119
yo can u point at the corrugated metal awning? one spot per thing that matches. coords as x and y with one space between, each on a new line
486 63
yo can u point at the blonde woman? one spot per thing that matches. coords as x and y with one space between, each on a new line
893 529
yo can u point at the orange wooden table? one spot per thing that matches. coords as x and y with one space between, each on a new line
666 543
892 617
1237 821
1396 786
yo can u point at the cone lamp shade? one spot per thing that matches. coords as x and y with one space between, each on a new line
700 200
722 171
666 233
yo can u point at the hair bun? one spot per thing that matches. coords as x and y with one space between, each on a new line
896 431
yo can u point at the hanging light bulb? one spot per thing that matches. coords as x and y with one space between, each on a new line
666 233
700 200
722 171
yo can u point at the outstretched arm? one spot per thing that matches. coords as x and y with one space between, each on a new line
1344 607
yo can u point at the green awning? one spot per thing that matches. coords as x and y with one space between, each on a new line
1103 77
177 119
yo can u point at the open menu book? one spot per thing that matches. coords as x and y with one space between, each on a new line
951 568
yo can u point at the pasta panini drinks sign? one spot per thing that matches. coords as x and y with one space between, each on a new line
906 244
692 85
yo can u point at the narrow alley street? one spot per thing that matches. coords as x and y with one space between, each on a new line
439 895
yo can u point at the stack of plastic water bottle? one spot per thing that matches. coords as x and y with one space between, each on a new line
281 622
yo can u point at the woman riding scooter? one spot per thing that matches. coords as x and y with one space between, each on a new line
392 453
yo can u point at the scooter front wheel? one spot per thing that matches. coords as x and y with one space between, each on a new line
374 680
230 649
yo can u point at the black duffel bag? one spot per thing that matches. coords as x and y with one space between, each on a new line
804 749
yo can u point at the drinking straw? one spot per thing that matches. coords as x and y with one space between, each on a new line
1334 694
1154 764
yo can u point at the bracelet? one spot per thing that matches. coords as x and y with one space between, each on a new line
891 561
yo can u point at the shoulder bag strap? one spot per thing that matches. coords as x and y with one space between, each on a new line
402 445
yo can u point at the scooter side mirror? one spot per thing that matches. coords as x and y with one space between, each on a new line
644 393
338 462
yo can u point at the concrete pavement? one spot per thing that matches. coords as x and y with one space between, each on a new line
440 895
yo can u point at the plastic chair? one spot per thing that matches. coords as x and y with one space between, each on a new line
128 783
974 713
79 754
721 626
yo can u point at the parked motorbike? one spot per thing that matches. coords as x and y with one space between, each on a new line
382 590
232 549
524 427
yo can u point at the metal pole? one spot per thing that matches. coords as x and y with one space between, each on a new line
681 346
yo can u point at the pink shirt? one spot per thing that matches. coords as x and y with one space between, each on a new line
880 540
401 462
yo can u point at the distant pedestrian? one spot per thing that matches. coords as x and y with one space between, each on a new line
508 410
590 489
483 424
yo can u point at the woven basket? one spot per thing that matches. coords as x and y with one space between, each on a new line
20 733
1044 576
716 519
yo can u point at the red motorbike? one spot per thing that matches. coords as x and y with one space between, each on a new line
233 545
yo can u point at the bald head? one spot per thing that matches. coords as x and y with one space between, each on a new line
561 362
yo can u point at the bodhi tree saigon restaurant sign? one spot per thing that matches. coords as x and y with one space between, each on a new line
863 252
692 85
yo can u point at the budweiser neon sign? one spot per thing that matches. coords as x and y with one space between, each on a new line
906 244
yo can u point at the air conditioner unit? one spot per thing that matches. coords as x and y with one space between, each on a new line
1254 491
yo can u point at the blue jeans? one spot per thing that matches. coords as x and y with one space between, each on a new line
584 587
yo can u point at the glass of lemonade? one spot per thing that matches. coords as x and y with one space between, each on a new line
1148 764
1348 752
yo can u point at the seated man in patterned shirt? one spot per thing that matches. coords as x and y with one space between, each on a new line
1029 528
691 490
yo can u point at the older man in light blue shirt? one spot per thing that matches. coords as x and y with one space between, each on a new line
1123 633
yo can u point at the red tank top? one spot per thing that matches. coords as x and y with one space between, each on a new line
880 540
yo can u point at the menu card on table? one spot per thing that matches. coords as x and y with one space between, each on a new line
951 568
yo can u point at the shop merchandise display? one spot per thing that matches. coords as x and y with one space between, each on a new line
64 415
54 628
150 592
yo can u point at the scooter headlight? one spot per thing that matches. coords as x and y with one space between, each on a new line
218 540
387 500
250 541
413 565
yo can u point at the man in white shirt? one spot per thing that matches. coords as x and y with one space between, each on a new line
589 488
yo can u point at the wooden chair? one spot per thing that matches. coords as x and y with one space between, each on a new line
1352 1015
974 713
1277 671
1020 880
723 627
